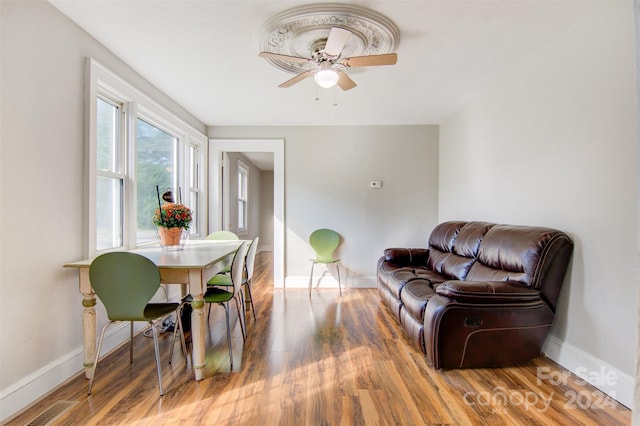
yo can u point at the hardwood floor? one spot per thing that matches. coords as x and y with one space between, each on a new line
321 361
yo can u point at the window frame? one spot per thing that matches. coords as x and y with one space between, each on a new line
195 188
242 172
147 117
102 82
120 172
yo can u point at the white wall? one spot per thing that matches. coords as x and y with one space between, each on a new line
266 211
41 171
556 145
636 413
327 175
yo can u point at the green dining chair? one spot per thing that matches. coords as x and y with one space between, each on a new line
224 296
324 242
248 279
226 281
125 283
223 236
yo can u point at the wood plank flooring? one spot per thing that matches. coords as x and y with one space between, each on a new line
321 361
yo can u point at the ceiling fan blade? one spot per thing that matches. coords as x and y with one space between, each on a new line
345 82
370 60
283 57
298 78
337 39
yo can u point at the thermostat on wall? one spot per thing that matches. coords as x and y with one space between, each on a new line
375 184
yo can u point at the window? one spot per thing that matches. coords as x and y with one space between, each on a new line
194 185
134 147
110 174
243 191
156 171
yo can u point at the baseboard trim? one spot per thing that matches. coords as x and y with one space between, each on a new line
605 377
22 394
323 280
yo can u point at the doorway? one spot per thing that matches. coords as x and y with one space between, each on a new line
276 146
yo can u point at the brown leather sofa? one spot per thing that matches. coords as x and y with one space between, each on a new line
480 294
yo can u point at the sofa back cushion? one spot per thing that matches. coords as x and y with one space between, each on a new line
453 247
469 238
523 254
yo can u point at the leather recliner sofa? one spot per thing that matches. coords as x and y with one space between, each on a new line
480 295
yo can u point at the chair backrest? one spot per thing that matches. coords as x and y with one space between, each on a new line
222 235
324 242
125 283
237 267
251 256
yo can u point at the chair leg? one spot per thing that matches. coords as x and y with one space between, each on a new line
339 284
240 316
157 350
175 330
226 311
253 308
131 342
242 303
173 342
311 277
182 341
95 361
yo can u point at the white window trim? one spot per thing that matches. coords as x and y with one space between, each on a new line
197 188
121 172
244 168
99 79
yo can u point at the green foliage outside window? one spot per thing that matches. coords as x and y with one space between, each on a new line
155 167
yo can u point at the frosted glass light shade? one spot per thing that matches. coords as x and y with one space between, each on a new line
326 78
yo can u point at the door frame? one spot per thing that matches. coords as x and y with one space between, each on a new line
276 146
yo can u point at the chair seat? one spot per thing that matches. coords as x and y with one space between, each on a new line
155 310
325 260
221 280
217 295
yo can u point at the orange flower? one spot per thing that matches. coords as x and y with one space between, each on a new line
173 215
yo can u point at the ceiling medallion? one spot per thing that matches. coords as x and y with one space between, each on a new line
297 32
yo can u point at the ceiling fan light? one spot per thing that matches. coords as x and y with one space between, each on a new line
326 78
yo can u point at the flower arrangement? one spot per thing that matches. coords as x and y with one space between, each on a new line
172 215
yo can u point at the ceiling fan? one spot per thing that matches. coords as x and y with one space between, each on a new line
326 65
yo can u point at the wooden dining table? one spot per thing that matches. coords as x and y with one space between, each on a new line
191 267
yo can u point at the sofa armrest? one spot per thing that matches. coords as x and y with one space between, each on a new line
407 256
487 291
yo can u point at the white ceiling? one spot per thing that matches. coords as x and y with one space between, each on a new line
262 160
204 55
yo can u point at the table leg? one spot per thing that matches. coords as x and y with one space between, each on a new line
198 324
88 322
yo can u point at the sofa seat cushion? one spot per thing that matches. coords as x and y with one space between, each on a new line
431 276
388 271
385 269
487 291
397 280
415 296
